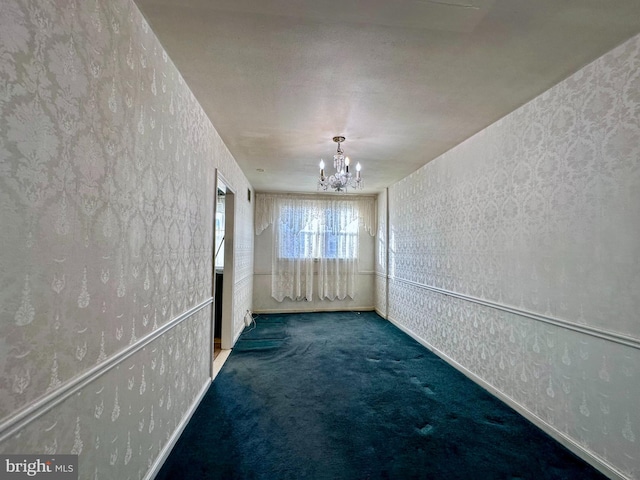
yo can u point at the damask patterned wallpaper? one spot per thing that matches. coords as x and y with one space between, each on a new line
107 170
516 255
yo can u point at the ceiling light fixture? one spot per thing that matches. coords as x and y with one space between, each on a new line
342 179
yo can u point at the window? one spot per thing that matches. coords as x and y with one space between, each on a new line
329 232
315 243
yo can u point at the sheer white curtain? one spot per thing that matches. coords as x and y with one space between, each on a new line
315 247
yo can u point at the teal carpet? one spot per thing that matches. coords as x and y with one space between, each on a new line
349 396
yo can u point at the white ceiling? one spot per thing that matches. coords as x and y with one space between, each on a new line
402 80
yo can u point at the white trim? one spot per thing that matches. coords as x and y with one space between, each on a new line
164 454
23 417
599 463
229 269
219 362
615 337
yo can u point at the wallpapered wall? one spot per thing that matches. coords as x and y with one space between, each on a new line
517 256
107 170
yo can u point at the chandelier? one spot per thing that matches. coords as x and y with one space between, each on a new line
342 179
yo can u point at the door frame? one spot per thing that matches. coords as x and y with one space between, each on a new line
228 283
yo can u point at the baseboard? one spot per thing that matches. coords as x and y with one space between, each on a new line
315 310
269 274
589 457
157 465
381 313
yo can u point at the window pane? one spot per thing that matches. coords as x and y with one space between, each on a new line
318 232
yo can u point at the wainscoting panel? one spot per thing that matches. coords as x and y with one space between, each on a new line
119 423
578 383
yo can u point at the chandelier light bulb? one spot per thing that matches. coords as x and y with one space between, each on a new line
342 179
358 167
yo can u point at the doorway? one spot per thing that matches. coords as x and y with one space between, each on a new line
223 274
